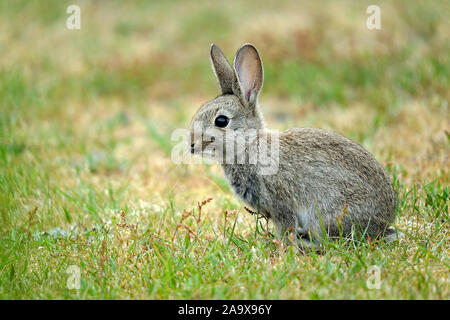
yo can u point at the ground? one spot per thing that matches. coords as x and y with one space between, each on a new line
88 187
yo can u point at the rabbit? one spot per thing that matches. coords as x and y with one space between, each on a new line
324 183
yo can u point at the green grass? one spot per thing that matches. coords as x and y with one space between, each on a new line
157 257
86 177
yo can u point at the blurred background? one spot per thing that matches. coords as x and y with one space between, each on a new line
86 115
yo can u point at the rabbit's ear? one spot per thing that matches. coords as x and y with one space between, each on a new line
222 69
249 71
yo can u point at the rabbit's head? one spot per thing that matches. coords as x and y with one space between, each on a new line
236 109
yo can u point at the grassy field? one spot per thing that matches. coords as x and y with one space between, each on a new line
86 177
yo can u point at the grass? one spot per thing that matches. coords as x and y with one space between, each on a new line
86 177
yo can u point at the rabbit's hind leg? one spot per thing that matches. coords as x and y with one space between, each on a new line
306 242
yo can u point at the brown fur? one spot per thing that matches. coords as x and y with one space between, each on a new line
325 182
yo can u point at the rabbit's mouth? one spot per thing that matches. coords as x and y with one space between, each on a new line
203 145
207 143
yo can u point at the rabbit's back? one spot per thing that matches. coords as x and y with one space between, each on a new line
322 171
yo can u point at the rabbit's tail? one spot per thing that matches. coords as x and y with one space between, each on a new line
392 235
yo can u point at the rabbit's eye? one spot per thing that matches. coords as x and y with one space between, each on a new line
221 121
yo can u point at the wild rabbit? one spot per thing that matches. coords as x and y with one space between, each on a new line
324 182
